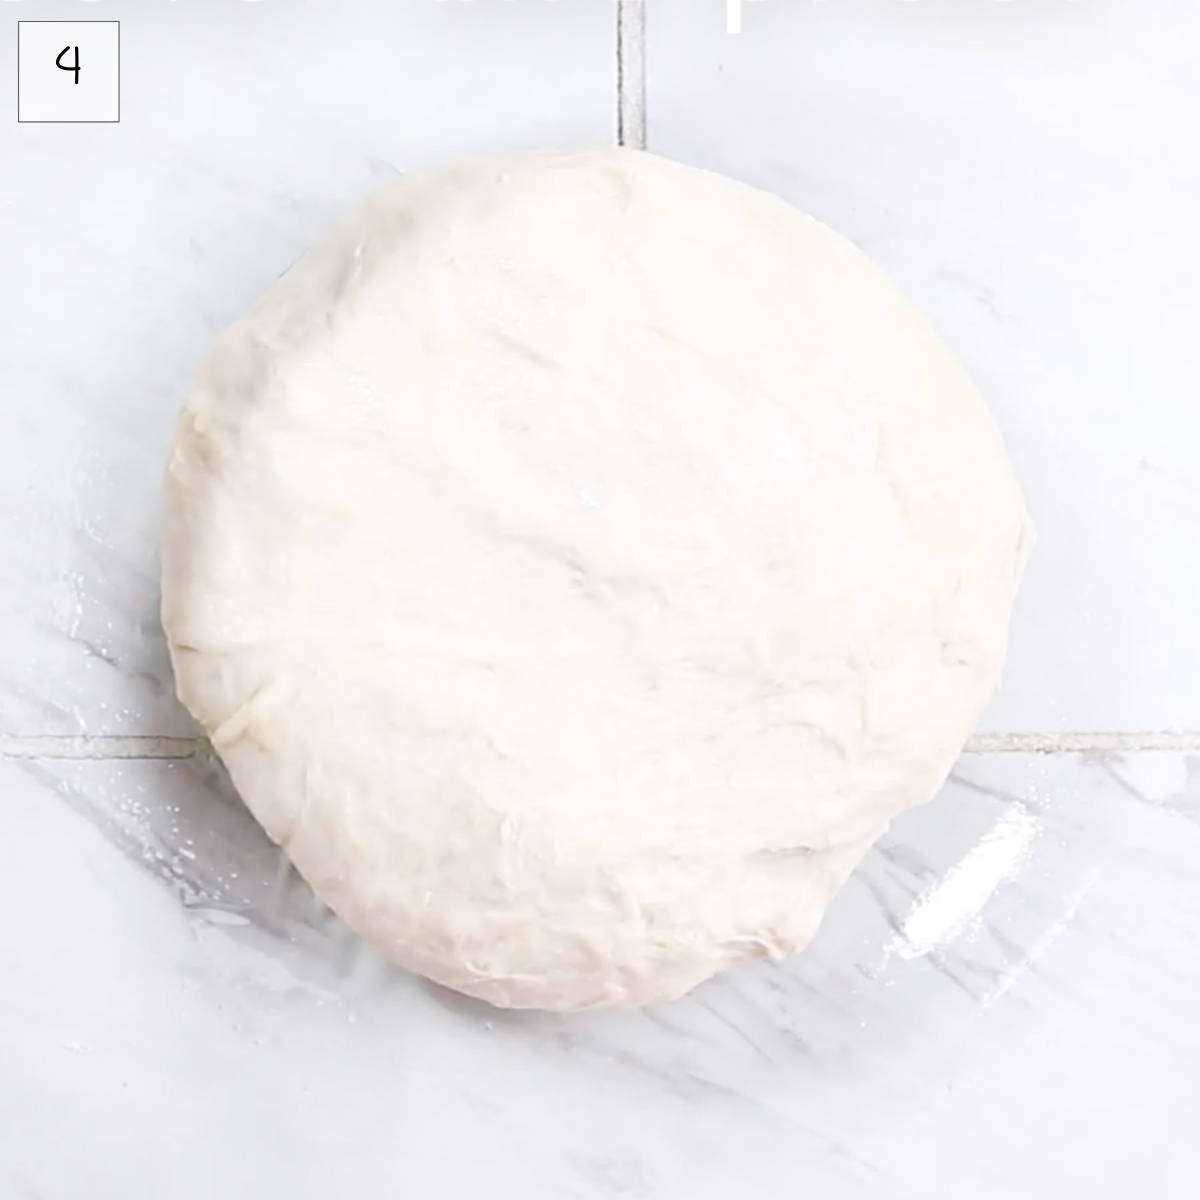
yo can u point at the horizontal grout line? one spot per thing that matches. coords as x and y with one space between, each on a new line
100 748
1081 743
86 746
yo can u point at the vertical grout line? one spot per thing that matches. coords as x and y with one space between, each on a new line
631 73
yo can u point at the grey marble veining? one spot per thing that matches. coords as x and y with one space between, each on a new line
999 1002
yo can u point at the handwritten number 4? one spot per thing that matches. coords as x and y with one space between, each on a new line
58 62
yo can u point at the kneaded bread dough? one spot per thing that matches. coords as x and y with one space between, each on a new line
578 560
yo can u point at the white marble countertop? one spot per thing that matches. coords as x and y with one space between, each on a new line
1002 1004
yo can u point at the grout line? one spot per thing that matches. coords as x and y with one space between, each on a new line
117 746
1082 743
90 747
631 73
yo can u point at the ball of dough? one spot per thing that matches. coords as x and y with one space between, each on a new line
577 560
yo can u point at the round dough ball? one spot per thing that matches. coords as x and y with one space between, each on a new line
578 560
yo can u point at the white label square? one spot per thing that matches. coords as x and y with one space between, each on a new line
68 70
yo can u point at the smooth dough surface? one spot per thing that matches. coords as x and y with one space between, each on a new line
577 561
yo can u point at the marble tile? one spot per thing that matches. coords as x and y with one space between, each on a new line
1001 1004
246 129
1030 173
